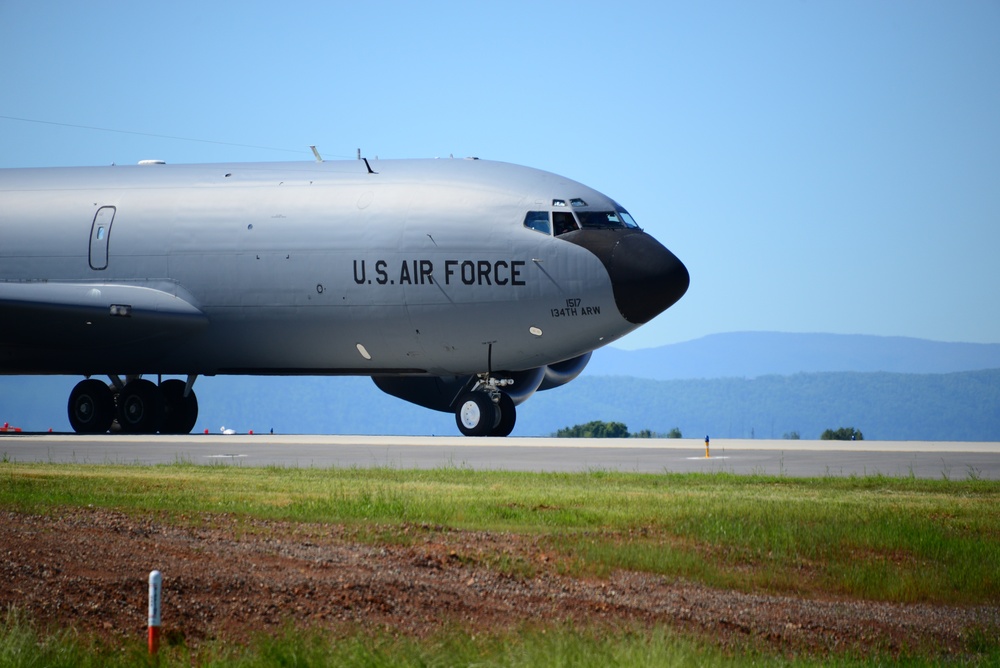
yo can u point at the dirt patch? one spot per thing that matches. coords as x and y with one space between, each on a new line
230 578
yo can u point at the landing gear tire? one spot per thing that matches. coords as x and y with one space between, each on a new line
179 412
140 407
476 414
508 416
91 407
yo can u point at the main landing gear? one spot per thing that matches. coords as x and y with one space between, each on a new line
139 406
486 410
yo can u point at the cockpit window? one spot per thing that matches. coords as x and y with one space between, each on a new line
564 222
539 221
629 221
560 222
604 220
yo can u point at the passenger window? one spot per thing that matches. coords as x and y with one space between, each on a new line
564 222
538 221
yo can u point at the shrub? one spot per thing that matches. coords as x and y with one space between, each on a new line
842 434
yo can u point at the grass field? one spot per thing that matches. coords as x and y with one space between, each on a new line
901 540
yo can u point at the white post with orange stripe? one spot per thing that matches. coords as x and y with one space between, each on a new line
155 594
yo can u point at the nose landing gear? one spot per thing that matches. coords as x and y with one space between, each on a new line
486 410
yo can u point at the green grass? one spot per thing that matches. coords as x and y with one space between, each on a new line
22 645
892 539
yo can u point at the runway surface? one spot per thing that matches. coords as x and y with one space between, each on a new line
952 460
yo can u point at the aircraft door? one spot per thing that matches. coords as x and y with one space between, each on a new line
99 233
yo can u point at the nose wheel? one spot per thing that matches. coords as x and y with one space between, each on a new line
483 413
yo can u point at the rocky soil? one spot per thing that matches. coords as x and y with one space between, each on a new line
228 578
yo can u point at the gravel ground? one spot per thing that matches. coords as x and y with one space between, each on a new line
225 578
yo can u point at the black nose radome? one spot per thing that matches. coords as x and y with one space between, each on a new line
647 279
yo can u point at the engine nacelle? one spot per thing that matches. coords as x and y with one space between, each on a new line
440 393
561 373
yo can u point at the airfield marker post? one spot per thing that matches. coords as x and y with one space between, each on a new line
155 593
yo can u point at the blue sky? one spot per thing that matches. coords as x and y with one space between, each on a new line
819 166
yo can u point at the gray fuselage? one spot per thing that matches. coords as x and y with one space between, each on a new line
422 267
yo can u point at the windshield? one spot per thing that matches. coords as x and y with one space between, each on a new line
567 220
604 220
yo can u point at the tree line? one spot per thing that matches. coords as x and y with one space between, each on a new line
599 429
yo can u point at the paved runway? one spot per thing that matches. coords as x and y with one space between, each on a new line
953 460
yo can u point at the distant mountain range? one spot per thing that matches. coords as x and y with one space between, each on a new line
740 385
963 406
753 354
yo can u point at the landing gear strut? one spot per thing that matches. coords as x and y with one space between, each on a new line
140 406
486 410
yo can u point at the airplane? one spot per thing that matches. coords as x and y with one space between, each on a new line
460 285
